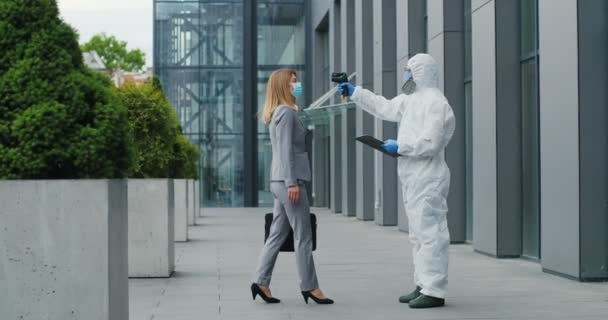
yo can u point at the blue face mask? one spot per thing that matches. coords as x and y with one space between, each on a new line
407 76
296 89
409 86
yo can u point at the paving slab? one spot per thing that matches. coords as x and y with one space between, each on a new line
364 267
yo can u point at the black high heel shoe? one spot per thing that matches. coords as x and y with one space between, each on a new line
308 294
256 290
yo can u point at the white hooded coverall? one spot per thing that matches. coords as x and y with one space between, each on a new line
426 125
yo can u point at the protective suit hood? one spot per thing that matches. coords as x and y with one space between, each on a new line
424 70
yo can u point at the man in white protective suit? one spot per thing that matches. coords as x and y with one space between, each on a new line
426 125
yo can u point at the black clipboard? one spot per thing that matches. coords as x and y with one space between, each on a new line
376 144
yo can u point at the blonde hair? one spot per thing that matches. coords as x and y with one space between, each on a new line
278 92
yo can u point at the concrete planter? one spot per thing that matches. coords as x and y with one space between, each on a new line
151 228
180 187
193 201
190 202
63 249
197 198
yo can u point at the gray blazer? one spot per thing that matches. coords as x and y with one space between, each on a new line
288 139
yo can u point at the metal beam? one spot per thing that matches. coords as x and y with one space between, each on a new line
250 139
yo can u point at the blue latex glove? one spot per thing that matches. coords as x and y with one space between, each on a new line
391 146
343 87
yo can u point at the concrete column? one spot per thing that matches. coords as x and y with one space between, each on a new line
320 163
335 122
364 43
385 63
319 30
560 239
410 40
446 45
335 163
574 224
484 128
593 130
335 41
415 10
348 164
347 36
496 171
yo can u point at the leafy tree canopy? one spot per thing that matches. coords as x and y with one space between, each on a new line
114 53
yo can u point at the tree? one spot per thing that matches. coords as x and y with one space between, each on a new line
114 53
160 148
58 120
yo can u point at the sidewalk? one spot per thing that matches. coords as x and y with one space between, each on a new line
363 267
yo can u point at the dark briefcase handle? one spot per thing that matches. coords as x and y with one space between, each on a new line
288 244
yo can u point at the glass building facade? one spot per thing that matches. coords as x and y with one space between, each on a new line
214 58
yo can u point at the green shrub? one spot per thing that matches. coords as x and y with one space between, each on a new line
185 159
152 122
58 120
160 148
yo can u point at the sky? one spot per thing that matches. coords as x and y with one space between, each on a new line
128 20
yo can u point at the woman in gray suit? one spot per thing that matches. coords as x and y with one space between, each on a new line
289 170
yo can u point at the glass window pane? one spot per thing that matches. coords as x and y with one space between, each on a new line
176 30
468 69
326 71
281 34
528 26
530 159
425 30
221 123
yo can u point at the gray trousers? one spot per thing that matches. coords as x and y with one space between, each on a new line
298 216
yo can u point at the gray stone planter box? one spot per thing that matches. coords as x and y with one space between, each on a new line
151 228
190 202
181 209
197 198
63 249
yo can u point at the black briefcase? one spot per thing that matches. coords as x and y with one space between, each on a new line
288 244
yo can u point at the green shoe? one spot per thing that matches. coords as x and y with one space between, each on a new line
423 302
407 298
